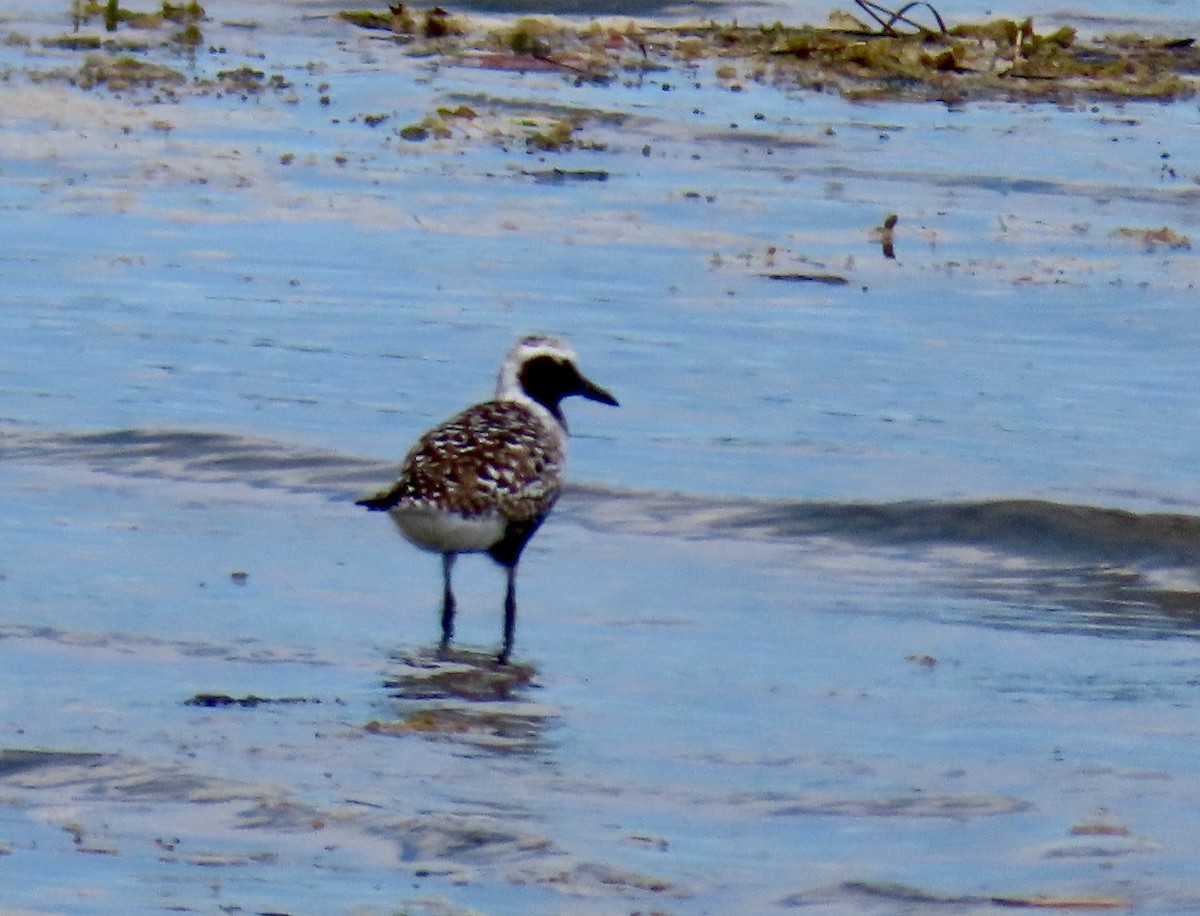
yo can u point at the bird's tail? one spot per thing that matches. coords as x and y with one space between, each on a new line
380 502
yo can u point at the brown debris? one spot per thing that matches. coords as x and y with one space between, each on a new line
899 57
1154 239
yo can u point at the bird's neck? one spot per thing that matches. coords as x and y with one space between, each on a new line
551 415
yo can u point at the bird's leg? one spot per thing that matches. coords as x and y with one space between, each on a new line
447 601
510 614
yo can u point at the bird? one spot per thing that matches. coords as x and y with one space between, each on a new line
484 480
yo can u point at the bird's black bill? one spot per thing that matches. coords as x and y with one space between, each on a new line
594 392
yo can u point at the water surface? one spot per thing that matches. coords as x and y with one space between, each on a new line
876 597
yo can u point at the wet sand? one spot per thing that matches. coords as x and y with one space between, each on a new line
729 724
876 596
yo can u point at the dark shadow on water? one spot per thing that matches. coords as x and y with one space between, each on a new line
1054 566
466 697
1038 564
464 674
21 760
250 701
201 456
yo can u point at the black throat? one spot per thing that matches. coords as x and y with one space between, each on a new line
548 380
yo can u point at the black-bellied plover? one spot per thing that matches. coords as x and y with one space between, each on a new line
485 480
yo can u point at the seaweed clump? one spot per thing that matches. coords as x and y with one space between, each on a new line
892 55
115 15
407 24
124 72
1001 58
1155 239
187 16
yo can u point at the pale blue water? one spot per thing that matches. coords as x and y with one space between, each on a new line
846 595
1016 346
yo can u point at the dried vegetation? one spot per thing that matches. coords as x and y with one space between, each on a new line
877 54
184 17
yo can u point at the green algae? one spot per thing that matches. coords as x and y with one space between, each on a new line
114 15
402 22
124 72
1001 58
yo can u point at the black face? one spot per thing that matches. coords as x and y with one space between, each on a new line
548 380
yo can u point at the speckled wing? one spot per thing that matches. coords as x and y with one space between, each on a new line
497 456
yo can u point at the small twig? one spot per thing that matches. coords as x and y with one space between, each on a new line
887 26
590 75
902 16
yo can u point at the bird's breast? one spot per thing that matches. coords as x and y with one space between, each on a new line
448 532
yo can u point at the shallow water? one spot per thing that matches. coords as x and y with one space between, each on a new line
876 597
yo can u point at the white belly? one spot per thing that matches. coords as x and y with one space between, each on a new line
447 532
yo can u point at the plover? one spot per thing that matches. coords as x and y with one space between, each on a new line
485 480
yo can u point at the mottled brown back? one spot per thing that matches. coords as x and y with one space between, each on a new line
496 456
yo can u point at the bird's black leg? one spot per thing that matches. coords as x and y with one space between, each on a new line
447 601
510 614
507 552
